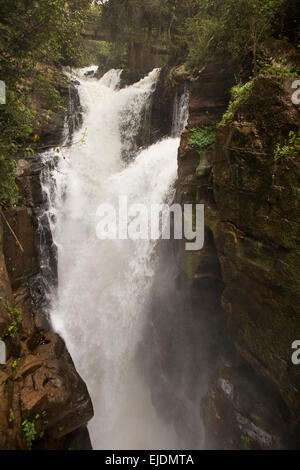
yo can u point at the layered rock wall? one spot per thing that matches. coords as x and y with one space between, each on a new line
40 389
252 233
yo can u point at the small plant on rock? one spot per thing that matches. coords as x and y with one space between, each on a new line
30 432
291 148
202 137
239 94
16 316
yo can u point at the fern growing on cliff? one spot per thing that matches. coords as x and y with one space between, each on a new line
291 148
202 137
239 94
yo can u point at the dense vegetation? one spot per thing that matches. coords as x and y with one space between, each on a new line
203 29
196 31
34 35
250 37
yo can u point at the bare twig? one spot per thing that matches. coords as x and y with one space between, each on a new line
12 231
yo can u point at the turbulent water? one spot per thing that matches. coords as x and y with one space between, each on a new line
103 286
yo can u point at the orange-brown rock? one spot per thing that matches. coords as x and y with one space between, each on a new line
43 387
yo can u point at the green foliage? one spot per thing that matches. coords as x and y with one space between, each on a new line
234 27
116 58
202 137
106 54
129 23
16 317
31 33
239 94
30 432
94 15
246 442
93 52
198 31
16 120
40 31
203 30
278 70
291 148
8 187
285 23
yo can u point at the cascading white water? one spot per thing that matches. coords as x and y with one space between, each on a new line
180 112
103 285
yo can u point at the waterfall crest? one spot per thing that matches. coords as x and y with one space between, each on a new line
99 304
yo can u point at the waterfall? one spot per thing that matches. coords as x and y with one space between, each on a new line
98 306
180 111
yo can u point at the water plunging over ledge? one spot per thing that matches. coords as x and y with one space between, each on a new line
99 304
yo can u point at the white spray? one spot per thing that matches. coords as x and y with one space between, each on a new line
103 285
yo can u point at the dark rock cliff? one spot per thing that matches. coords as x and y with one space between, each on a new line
39 384
252 249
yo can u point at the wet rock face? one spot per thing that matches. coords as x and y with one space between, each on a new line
20 265
49 126
74 114
170 86
185 333
5 289
210 94
145 59
208 101
257 234
129 77
252 230
39 377
39 382
43 387
162 107
241 412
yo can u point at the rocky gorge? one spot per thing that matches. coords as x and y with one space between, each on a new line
242 287
220 322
